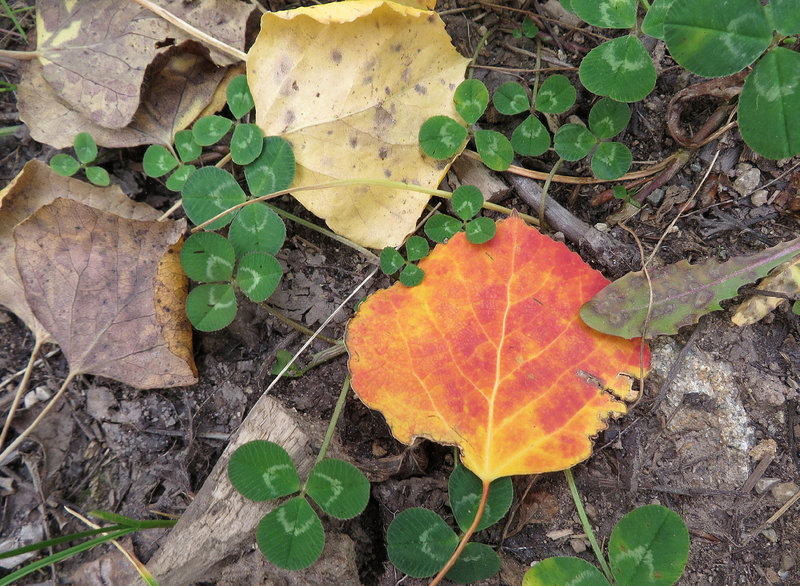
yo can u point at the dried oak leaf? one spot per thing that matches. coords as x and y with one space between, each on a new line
37 185
786 279
489 353
96 282
94 54
349 84
183 83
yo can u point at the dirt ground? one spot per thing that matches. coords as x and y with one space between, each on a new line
714 437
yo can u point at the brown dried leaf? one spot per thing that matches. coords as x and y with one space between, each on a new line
35 186
181 87
95 53
785 280
89 278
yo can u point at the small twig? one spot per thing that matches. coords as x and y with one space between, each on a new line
676 366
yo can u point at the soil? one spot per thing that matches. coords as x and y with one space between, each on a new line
714 436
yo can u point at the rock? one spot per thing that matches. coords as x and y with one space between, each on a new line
767 447
578 545
759 197
783 491
747 181
764 484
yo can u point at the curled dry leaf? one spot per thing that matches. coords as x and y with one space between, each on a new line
109 291
35 186
94 54
489 353
755 307
183 83
349 84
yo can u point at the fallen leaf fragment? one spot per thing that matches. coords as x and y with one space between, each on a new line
681 292
182 84
756 307
35 186
94 54
349 84
489 353
89 278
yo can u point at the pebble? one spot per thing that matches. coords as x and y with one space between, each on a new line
787 562
783 491
759 197
771 535
747 181
578 545
767 447
763 484
602 227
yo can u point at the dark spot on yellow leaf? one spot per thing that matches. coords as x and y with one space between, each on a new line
396 48
406 75
382 119
367 80
336 56
387 173
420 89
387 90
353 141
295 87
288 118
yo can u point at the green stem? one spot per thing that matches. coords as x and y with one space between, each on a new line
337 411
545 189
297 326
481 43
535 90
324 231
587 527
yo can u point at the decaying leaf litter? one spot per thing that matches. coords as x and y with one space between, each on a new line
765 400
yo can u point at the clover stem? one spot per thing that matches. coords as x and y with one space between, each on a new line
466 537
535 89
587 527
295 325
545 188
337 411
481 43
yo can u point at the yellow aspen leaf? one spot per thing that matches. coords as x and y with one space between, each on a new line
349 84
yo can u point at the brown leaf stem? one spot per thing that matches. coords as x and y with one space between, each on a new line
464 538
22 387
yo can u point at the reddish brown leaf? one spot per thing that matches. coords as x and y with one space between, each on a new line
489 353
89 277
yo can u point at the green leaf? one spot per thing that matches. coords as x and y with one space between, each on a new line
339 488
465 489
470 99
246 143
477 562
607 13
441 137
530 138
495 149
441 227
291 536
258 275
282 358
715 41
240 100
256 228
208 192
769 107
649 545
419 542
608 118
209 130
98 176
556 95
529 28
653 23
786 16
64 165
511 98
207 257
572 142
260 470
158 161
620 69
564 570
480 230
274 168
188 149
85 147
467 201
681 293
796 308
177 180
611 160
391 261
411 275
211 307
416 248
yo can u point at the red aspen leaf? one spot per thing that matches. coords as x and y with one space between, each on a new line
489 353
110 292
